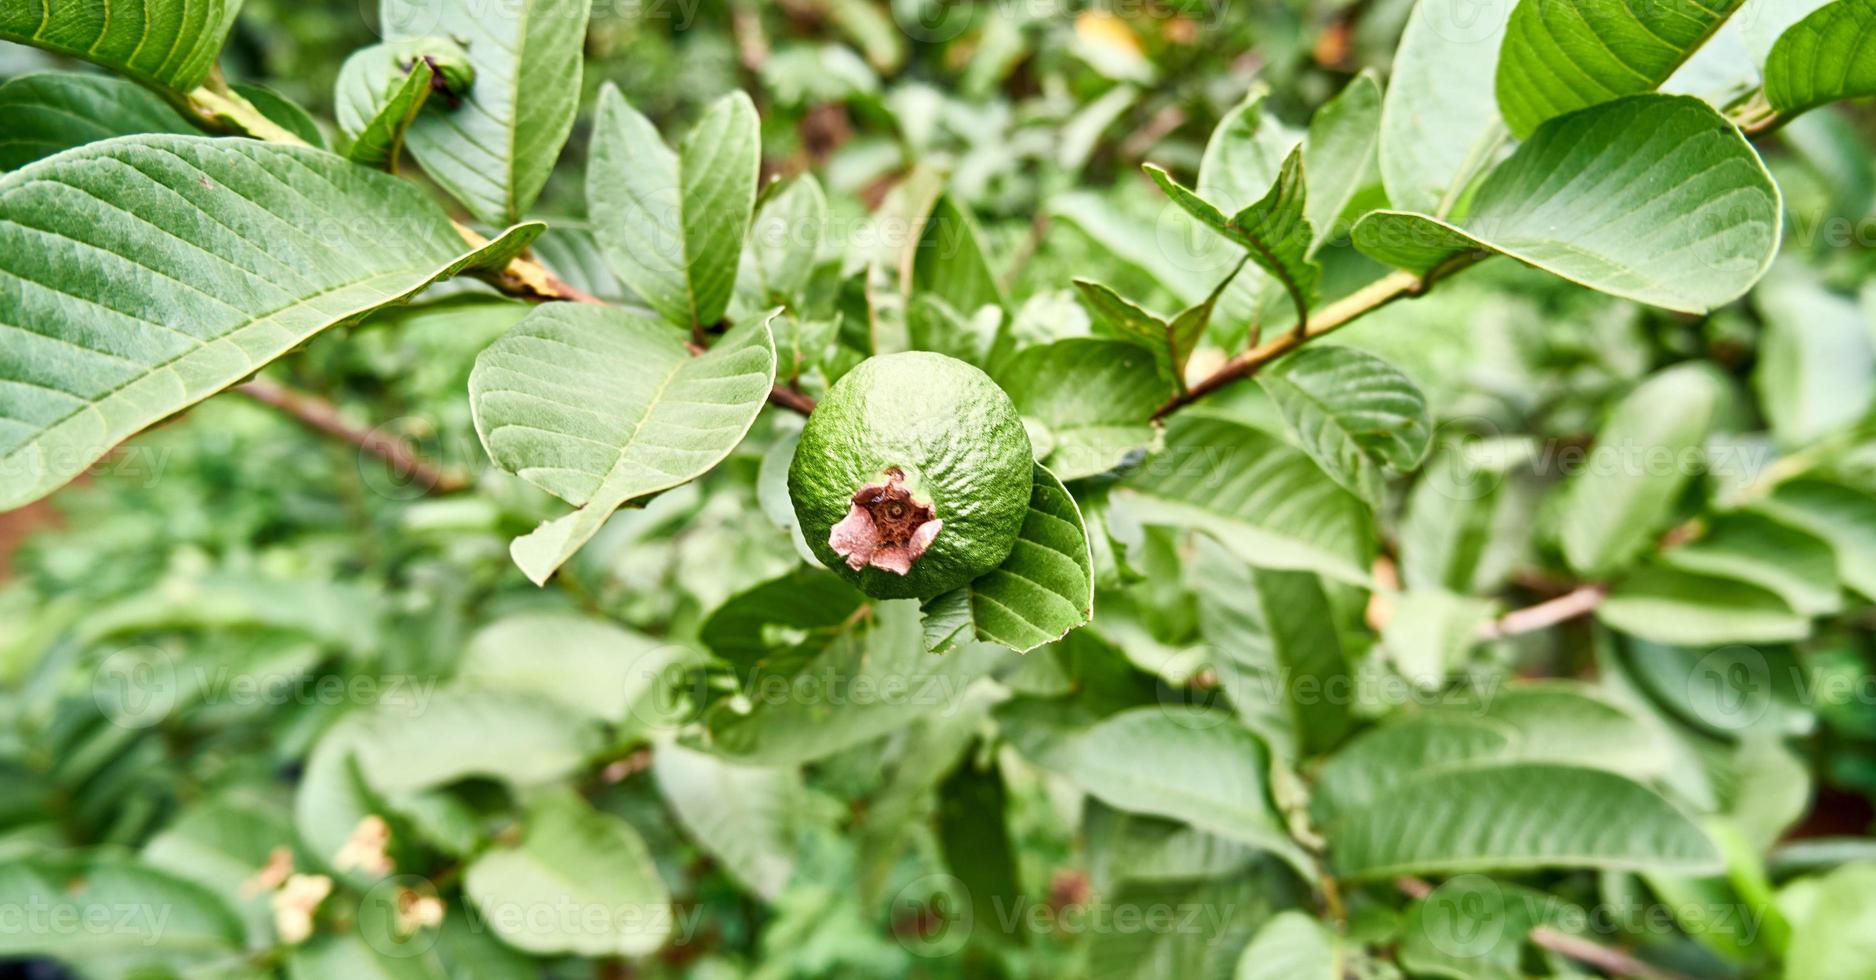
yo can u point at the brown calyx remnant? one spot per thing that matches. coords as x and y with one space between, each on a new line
886 527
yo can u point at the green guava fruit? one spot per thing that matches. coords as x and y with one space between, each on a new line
912 476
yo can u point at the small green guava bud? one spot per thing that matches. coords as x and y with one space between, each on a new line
454 73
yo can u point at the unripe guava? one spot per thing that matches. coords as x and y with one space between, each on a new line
912 476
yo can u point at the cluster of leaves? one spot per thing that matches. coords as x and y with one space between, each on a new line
1520 629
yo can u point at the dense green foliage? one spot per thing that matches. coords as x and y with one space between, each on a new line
1446 545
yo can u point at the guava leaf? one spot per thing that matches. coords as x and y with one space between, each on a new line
593 666
1339 150
1181 763
1654 198
1170 341
49 112
139 919
1266 501
1095 397
1816 369
1842 515
671 224
785 241
572 856
1643 457
1439 117
1043 590
1506 816
1560 57
874 678
1275 649
1665 604
495 150
1353 413
170 44
741 815
111 321
950 261
1243 155
376 121
601 407
1431 632
1292 946
1827 56
1795 564
1273 230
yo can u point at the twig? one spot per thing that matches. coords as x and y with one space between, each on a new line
1578 602
1361 302
322 416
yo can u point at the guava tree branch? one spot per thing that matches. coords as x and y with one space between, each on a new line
1334 316
1580 601
322 416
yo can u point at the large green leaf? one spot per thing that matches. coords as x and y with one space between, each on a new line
1646 452
1655 198
1816 369
1264 500
949 260
1044 589
1829 55
112 916
1171 342
1200 767
220 843
671 224
1292 946
779 615
600 407
375 113
1516 816
1796 564
591 665
1560 57
875 678
1353 413
741 815
494 151
1841 515
1667 605
1093 399
580 881
113 319
49 112
1380 759
169 43
1339 152
1275 649
1273 230
1430 633
1439 119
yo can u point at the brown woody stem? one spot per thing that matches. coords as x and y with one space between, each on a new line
322 416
